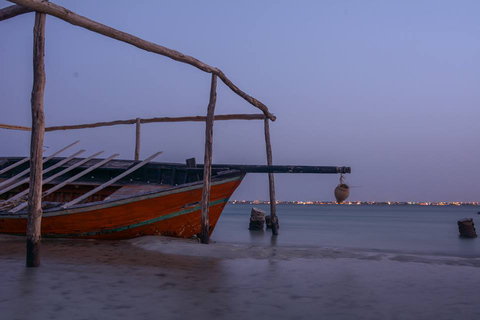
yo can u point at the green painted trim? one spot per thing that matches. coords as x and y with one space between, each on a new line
136 225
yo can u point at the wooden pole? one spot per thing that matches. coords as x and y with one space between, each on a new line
207 169
36 145
137 140
78 20
271 182
12 11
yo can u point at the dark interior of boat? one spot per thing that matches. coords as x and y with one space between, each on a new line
150 177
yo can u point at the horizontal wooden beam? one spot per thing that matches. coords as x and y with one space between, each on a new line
278 169
13 11
81 21
148 120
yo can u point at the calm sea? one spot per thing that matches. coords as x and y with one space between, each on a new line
406 229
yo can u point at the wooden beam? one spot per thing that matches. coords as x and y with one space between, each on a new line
156 120
69 180
109 182
12 127
207 168
12 11
280 168
56 175
78 20
137 140
21 174
271 181
34 221
220 117
13 166
56 165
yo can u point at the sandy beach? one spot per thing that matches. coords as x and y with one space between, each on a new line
158 277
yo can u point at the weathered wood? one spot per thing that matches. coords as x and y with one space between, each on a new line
13 127
56 175
12 11
207 168
21 174
155 120
220 117
36 145
271 181
56 165
69 180
106 184
245 96
137 139
13 166
78 20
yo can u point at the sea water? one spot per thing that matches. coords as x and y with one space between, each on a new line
401 228
161 278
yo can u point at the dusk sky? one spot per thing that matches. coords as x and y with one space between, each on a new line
390 88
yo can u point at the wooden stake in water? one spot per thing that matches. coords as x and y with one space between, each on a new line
207 167
271 182
36 145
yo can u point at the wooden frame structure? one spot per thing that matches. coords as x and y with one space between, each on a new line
42 8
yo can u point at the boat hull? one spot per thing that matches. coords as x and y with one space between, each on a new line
171 212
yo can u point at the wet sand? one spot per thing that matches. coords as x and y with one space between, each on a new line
164 278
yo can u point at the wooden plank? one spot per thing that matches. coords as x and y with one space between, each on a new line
70 180
221 117
16 164
207 168
78 20
58 164
56 175
106 184
34 221
137 139
21 174
12 11
271 181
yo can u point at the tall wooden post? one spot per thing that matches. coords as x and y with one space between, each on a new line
137 140
36 144
271 182
207 166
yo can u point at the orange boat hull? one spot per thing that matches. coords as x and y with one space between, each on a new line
173 212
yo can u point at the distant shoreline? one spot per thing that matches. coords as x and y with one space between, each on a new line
358 203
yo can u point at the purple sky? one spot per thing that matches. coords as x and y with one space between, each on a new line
390 88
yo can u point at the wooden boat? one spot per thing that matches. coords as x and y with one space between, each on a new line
157 199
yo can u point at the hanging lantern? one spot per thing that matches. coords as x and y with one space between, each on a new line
342 191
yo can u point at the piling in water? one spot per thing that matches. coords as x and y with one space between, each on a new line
466 227
257 219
